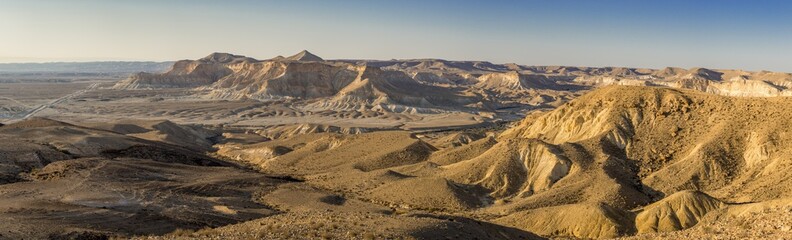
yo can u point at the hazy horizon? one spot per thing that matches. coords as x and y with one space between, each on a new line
726 35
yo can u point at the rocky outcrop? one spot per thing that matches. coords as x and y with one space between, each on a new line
187 73
393 91
283 79
676 212
513 168
513 80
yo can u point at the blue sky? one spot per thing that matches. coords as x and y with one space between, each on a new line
752 35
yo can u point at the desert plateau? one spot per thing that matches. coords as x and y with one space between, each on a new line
405 120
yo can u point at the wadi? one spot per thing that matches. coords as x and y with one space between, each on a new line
301 147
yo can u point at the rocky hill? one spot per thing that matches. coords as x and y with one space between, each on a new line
618 161
305 56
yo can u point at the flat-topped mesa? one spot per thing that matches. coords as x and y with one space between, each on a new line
513 80
289 79
305 56
225 58
371 86
211 69
413 65
186 73
393 91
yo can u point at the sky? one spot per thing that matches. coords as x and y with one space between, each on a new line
725 34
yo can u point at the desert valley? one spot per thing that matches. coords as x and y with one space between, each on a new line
302 147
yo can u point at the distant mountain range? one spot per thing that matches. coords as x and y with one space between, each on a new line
85 67
431 85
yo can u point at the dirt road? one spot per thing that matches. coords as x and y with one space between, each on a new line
40 108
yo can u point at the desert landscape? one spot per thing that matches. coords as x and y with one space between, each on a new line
321 119
228 146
